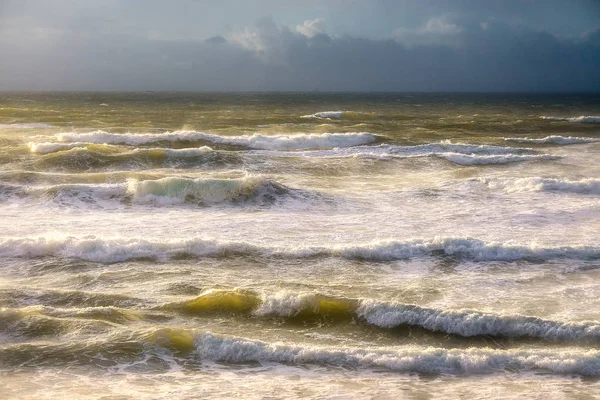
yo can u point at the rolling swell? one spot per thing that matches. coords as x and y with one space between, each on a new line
304 307
139 348
163 191
255 141
298 308
97 249
457 153
100 156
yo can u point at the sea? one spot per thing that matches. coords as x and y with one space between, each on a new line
299 245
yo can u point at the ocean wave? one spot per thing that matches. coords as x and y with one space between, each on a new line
194 347
404 359
255 141
458 153
586 119
30 322
32 125
163 191
306 306
538 184
339 115
49 147
94 156
554 139
206 190
101 250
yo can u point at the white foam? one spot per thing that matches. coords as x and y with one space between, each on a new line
554 139
474 323
25 126
538 184
93 248
401 358
255 141
586 119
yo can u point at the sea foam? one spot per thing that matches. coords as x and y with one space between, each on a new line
205 190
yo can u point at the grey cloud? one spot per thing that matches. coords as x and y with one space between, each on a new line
486 57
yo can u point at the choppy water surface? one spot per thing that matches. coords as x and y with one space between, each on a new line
299 245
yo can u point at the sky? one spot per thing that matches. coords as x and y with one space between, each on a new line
301 45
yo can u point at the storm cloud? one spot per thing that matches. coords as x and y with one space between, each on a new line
446 52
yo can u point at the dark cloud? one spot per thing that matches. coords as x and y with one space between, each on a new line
457 55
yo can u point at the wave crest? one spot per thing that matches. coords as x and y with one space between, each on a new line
554 139
538 184
97 249
586 119
206 190
255 141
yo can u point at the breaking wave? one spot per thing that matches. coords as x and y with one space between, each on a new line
194 347
461 154
94 156
101 250
206 190
537 184
586 119
255 141
405 359
465 323
554 139
163 191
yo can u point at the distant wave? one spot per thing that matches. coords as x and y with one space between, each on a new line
255 141
306 306
538 184
554 139
102 250
461 154
94 156
32 125
339 115
583 119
